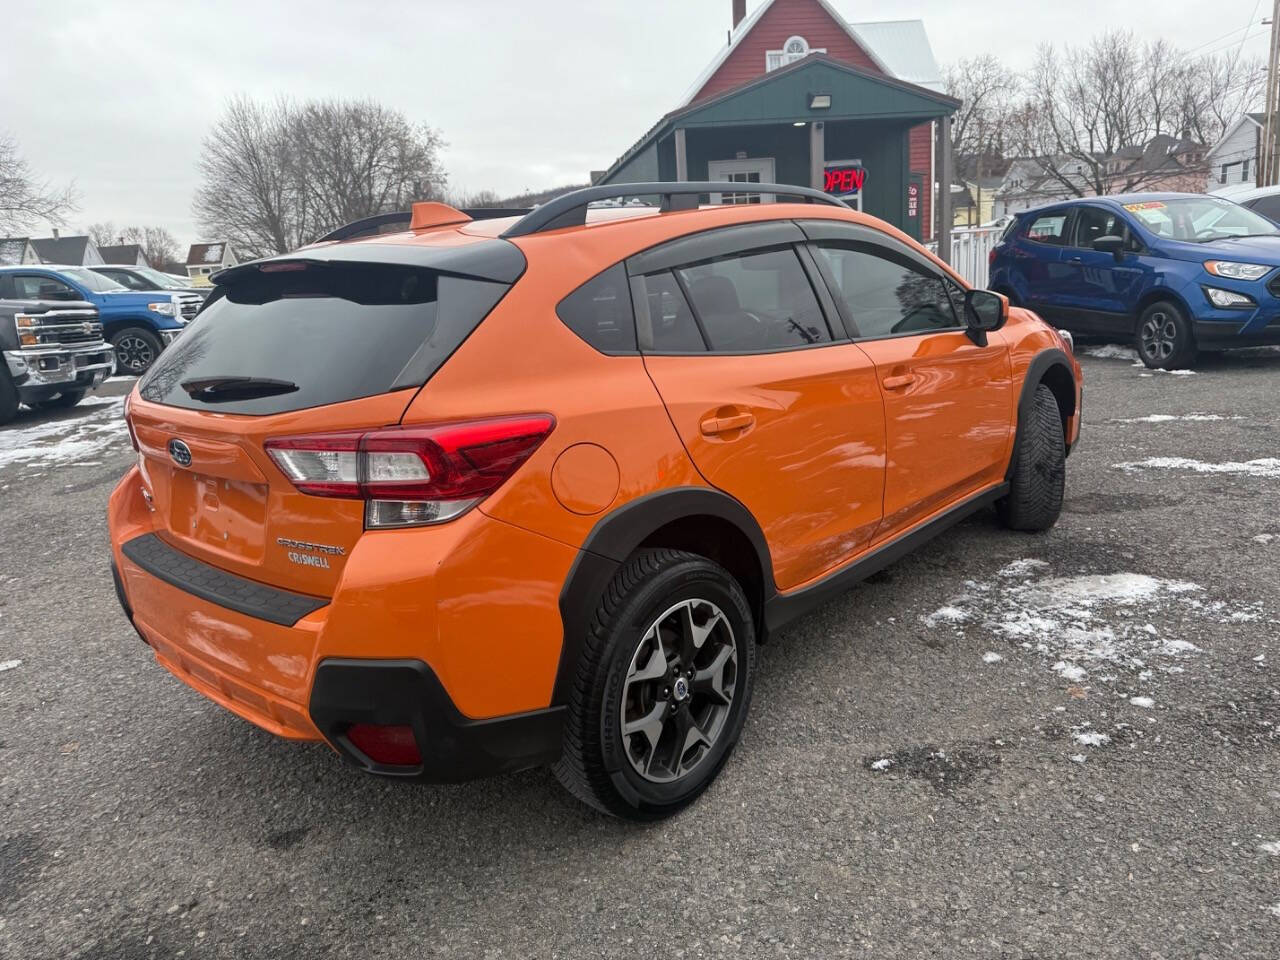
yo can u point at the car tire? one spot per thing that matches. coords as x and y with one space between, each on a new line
1164 338
136 350
63 401
680 614
8 397
1038 483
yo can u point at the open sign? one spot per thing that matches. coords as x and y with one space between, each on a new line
845 178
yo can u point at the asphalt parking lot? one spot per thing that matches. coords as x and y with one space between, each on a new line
1004 746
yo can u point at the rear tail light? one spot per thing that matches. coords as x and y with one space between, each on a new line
409 476
393 746
128 422
991 257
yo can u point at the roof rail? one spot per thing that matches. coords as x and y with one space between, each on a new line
570 209
358 228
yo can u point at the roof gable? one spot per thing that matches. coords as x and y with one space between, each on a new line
125 254
69 250
768 28
1250 119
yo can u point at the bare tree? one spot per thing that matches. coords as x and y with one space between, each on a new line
276 177
103 233
987 90
24 198
158 245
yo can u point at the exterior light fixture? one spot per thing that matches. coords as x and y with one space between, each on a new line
798 123
820 101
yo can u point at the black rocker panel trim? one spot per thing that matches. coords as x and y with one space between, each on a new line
218 586
782 609
615 538
454 747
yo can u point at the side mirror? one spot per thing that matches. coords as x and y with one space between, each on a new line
984 311
1110 244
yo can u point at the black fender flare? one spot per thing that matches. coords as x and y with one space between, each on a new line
615 537
1040 364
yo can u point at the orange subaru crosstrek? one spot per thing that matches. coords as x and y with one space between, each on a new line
483 494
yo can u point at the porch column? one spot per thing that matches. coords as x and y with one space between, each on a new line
943 150
817 153
682 158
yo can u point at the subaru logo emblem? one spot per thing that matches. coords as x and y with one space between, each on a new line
180 453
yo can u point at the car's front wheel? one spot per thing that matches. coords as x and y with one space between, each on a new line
136 350
662 688
1165 340
1038 481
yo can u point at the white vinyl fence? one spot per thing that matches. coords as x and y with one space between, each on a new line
970 248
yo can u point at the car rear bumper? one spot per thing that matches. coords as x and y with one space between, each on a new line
454 632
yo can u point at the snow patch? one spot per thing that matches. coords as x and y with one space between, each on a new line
1091 738
66 442
1023 568
1078 758
948 614
1110 351
9 665
1069 671
1169 417
1264 538
1146 703
1271 848
991 657
883 764
1262 467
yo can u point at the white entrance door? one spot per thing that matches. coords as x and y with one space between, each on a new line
756 170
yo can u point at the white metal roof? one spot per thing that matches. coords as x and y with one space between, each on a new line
899 47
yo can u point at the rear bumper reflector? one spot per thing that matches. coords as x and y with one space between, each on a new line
217 586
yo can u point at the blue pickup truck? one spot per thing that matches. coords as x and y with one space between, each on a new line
138 325
1170 273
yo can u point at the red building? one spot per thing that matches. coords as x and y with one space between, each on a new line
800 96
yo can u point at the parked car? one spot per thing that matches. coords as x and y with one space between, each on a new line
138 325
53 354
1172 273
148 278
519 491
1263 200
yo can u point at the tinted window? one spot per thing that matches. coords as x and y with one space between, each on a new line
887 295
338 331
673 328
1269 207
755 301
600 313
1048 228
30 286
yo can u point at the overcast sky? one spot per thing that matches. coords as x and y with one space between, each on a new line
116 94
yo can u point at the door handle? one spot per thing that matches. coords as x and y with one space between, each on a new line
717 425
903 380
1076 260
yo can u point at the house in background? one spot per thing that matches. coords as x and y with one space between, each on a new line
73 251
206 258
124 254
1233 160
799 95
15 251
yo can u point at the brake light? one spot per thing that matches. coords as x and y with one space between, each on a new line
410 476
991 257
128 422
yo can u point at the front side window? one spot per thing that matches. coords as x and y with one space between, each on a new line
1095 222
30 286
755 302
888 295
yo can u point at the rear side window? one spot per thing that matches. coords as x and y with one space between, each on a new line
1048 228
755 302
600 312
672 327
1268 206
889 296
328 333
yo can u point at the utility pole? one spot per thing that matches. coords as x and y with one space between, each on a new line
1270 145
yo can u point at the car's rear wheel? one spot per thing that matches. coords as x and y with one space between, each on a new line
662 688
136 350
1038 484
63 401
1165 340
8 398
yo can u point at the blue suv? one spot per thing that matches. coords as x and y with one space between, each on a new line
138 325
1172 273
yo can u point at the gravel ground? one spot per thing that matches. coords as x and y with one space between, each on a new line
1004 746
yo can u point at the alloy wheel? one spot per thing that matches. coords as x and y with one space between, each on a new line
679 690
134 353
1159 336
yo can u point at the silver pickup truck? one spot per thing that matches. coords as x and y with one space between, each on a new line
53 353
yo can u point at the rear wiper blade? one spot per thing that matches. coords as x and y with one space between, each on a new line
223 389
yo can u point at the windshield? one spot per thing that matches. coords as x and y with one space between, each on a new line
1200 219
163 280
91 280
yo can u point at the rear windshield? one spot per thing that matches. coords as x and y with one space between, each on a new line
326 333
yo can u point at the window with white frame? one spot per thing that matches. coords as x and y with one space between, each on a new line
796 48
